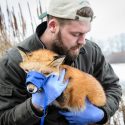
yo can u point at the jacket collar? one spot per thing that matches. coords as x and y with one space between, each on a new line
39 31
83 50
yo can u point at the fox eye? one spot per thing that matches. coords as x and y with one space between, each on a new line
56 57
46 74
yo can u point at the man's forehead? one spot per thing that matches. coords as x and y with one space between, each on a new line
78 26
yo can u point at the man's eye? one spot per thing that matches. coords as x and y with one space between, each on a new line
75 34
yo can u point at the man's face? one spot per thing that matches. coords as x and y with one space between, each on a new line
70 38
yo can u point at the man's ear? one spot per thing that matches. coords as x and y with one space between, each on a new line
52 24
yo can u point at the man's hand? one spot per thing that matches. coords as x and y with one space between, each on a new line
90 115
53 86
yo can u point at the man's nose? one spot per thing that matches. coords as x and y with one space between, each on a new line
81 40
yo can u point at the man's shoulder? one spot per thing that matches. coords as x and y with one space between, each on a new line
29 42
89 47
32 43
91 51
91 44
12 55
92 47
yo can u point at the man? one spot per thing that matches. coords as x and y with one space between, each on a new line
64 32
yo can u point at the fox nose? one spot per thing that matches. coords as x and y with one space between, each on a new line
31 88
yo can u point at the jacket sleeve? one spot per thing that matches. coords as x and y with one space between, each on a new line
15 105
110 82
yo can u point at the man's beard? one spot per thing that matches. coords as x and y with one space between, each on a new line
59 48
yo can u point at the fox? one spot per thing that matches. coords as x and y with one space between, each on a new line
81 85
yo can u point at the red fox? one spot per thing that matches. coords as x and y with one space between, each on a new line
81 85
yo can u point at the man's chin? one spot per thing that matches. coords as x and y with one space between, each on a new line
72 56
75 52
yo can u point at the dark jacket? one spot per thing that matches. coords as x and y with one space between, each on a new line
15 101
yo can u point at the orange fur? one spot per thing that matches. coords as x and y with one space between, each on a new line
81 84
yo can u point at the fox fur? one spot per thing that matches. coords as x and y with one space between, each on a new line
81 85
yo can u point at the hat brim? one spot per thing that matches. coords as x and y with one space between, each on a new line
43 15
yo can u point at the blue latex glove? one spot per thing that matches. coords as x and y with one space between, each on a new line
36 78
52 88
90 115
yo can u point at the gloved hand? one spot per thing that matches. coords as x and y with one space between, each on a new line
90 115
52 88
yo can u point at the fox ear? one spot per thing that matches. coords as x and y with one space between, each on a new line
24 53
58 61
